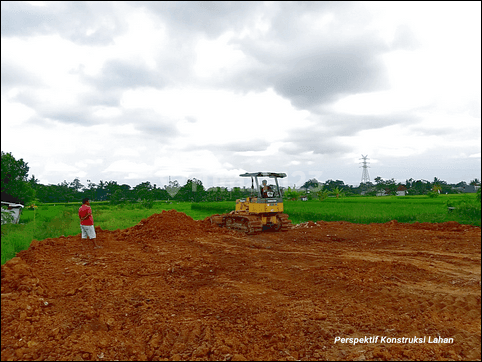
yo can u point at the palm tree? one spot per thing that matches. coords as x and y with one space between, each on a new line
436 188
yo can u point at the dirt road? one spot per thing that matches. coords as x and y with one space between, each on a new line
171 288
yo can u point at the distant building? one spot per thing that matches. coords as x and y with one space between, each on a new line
470 189
384 192
14 209
401 190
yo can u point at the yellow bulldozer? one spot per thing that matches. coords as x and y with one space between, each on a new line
263 210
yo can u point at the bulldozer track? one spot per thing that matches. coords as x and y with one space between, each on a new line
246 223
285 222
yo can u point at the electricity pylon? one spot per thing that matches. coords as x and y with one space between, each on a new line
365 177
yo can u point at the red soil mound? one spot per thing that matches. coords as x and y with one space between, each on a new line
173 288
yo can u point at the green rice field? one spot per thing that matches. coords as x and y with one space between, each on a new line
54 220
367 210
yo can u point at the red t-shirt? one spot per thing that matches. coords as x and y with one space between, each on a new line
84 210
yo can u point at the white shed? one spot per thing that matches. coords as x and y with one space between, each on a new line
14 209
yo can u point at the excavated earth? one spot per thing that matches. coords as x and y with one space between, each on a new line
172 288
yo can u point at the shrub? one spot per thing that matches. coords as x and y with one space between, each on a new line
322 194
468 207
147 203
292 194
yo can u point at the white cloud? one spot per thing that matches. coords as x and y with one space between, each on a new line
107 112
85 163
128 151
66 171
59 167
134 91
222 116
124 166
15 112
217 57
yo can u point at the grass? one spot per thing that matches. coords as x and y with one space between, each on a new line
365 210
54 220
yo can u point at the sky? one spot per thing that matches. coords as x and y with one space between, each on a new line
158 91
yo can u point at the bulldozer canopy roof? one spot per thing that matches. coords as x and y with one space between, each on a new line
263 174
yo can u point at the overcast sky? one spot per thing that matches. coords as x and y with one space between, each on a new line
140 91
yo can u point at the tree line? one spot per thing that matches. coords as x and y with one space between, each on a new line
16 186
380 186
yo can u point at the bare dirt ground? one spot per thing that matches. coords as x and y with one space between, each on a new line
171 288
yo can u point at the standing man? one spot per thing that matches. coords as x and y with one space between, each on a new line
87 222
